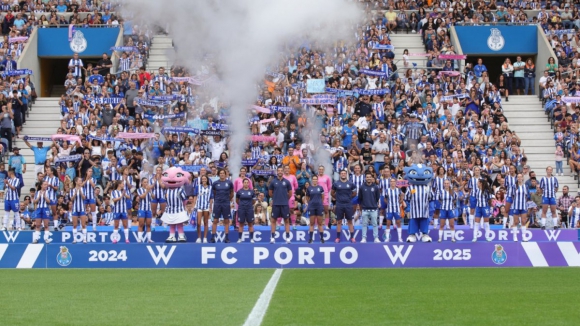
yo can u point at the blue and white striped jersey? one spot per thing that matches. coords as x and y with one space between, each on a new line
472 186
509 183
549 186
437 184
12 194
121 205
418 197
357 180
78 204
520 195
52 181
144 203
392 198
41 200
204 195
448 201
89 188
482 198
158 191
175 198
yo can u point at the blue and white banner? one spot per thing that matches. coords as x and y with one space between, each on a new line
262 233
283 109
219 126
315 85
17 72
27 138
373 73
451 97
342 255
69 158
383 47
319 100
164 116
180 130
192 168
380 91
561 32
143 102
107 100
124 48
164 98
263 172
210 132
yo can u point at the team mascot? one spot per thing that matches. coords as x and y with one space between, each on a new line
175 214
417 198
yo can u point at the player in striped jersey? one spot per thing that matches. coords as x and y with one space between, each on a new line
384 184
53 186
144 211
549 185
41 201
447 199
77 196
520 195
357 178
203 199
11 200
574 213
89 189
509 183
483 197
157 196
472 186
390 203
437 186
245 199
119 196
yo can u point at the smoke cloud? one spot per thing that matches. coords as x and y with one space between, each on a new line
243 38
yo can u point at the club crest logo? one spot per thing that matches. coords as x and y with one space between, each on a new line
79 42
499 256
495 41
64 258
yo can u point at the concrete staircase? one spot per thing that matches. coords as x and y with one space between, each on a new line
526 117
411 42
43 121
161 53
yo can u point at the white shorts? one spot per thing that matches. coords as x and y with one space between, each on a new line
38 169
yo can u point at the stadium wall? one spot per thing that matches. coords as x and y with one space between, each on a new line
29 59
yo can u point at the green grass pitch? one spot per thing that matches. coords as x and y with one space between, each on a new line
518 296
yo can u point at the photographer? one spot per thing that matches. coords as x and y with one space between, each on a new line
6 124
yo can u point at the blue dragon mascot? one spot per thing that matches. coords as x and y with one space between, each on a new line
418 197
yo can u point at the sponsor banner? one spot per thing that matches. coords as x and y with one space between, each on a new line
344 255
262 234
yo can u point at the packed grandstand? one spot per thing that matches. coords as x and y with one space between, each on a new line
124 125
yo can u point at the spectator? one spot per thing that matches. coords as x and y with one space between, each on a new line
564 203
17 163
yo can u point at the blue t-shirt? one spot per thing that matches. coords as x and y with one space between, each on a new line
16 161
40 154
280 189
221 192
3 176
315 195
343 192
348 132
246 198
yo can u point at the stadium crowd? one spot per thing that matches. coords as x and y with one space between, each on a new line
379 114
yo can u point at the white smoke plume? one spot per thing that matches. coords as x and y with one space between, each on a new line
243 37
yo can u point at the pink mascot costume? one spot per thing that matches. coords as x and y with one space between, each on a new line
175 214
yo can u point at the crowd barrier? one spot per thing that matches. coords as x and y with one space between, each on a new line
345 255
300 236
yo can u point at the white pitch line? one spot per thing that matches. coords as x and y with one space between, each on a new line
257 315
